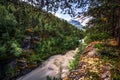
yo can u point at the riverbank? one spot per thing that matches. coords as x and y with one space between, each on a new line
91 66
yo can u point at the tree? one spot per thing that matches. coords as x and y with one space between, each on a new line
105 13
106 18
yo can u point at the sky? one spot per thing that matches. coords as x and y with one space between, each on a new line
67 17
63 16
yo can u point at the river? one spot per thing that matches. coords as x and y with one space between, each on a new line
56 66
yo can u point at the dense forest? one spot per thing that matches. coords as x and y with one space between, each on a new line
29 35
104 13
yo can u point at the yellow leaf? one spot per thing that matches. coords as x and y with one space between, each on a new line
104 19
29 30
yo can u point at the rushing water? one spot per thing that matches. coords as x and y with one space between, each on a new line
55 66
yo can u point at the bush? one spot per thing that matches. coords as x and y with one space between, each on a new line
74 63
99 46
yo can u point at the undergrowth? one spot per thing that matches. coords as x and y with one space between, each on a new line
73 64
111 55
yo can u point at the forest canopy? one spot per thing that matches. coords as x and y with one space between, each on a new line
105 13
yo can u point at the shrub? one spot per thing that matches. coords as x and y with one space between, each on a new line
9 72
99 46
74 63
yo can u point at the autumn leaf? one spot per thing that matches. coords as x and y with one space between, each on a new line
29 30
104 19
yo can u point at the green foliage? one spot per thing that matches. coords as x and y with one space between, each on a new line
9 70
96 37
49 35
49 78
115 73
94 75
99 46
34 58
10 49
74 63
16 49
111 55
11 8
105 16
7 19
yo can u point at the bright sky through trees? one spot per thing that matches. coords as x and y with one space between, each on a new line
66 16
